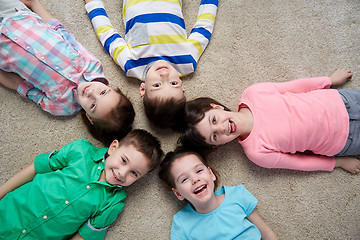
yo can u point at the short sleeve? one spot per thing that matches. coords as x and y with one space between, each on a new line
247 201
59 159
96 227
177 231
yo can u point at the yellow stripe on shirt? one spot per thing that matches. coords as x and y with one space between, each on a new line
134 2
208 16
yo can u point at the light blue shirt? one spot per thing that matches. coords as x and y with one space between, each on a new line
228 221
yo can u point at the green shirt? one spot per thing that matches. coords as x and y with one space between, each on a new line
64 197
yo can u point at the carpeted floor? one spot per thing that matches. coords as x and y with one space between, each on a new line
253 41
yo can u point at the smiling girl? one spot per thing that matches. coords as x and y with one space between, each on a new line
299 125
61 76
228 213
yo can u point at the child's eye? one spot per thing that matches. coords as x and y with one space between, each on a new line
123 160
92 106
103 92
156 85
214 136
213 120
174 83
199 170
134 174
183 180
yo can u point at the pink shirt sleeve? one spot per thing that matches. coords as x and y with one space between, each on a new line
303 85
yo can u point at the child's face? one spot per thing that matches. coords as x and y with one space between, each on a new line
193 180
125 164
97 99
219 126
162 80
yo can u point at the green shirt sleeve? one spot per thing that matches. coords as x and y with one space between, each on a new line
59 159
95 228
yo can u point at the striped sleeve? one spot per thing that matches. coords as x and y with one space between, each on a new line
201 33
111 40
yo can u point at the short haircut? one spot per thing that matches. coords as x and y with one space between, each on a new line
118 123
194 112
168 113
145 143
165 166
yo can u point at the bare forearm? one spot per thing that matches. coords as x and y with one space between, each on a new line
265 230
18 180
37 7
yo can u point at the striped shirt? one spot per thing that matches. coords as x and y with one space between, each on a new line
50 60
154 30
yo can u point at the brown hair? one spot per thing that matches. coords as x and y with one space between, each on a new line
167 113
194 112
171 157
117 125
145 143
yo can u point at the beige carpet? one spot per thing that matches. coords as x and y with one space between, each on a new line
253 41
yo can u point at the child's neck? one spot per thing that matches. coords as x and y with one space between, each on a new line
247 122
210 206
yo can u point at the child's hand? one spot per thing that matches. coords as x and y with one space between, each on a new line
340 76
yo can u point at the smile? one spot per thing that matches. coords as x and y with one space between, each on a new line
200 189
159 68
113 172
232 127
84 90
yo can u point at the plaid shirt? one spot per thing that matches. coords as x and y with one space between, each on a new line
50 60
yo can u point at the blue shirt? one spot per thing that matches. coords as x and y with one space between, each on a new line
228 221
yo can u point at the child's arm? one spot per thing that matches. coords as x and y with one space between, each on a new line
265 230
39 9
19 179
201 33
10 79
77 237
109 37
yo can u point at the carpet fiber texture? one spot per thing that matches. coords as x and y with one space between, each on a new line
253 41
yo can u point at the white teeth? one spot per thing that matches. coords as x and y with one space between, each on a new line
199 189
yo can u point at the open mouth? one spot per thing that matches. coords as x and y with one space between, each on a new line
232 127
200 189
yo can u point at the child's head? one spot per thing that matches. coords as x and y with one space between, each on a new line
163 95
107 113
195 114
188 175
131 158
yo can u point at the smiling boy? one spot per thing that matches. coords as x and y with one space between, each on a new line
156 50
75 192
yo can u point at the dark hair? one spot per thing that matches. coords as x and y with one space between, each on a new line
118 124
194 112
145 143
168 113
170 157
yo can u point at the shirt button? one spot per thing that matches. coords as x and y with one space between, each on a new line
87 186
28 47
99 167
66 202
23 231
45 217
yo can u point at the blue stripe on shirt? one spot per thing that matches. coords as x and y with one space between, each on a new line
202 31
155 17
215 2
182 59
110 40
97 12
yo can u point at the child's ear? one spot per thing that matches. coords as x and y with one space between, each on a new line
113 146
177 194
213 176
215 106
142 89
89 118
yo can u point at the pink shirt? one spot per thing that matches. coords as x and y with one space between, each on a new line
293 117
